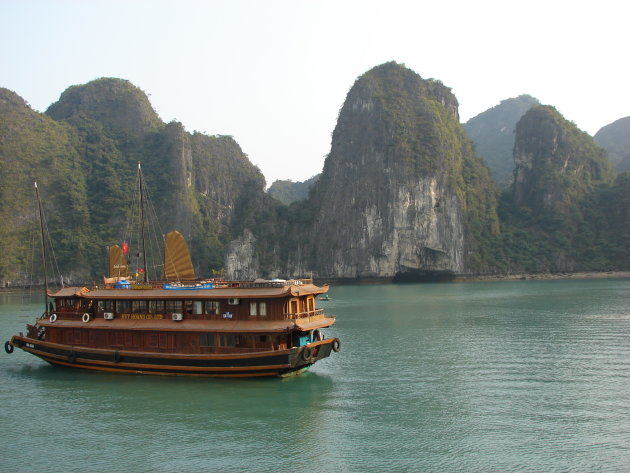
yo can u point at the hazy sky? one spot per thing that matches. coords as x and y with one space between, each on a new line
274 74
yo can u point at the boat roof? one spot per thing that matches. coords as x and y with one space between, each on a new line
70 291
215 293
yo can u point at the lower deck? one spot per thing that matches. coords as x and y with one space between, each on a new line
183 337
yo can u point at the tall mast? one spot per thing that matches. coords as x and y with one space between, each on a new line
41 227
144 253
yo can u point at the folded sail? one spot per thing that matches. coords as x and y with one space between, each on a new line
177 262
118 265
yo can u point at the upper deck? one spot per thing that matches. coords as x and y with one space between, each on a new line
221 289
224 301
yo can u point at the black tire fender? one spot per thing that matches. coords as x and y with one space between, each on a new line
8 347
307 353
336 345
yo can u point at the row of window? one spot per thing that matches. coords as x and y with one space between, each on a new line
258 309
155 340
166 306
220 340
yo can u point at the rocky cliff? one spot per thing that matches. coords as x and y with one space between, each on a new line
84 152
615 138
562 213
399 186
402 194
287 191
556 163
493 134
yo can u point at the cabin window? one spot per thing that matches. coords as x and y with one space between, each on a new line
226 340
293 306
197 307
132 339
74 337
258 308
188 307
173 306
123 306
156 307
310 304
206 340
152 340
166 340
212 307
262 338
108 306
118 338
139 307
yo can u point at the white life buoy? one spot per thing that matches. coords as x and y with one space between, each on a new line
86 317
53 318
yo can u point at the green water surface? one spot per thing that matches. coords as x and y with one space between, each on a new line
494 376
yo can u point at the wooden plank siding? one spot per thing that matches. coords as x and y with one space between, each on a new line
168 342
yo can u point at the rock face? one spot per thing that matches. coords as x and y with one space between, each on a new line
35 148
84 152
615 138
241 261
119 106
493 134
287 191
556 163
390 200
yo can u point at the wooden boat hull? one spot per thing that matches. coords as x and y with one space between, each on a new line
259 364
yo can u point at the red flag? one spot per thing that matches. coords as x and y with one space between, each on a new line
125 248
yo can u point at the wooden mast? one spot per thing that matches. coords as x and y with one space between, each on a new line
41 227
144 253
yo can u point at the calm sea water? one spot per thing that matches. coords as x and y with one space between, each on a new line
506 376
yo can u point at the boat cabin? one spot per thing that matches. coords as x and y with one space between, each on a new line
229 318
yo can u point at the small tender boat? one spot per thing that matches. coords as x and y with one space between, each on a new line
325 297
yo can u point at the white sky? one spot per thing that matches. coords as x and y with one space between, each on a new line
274 74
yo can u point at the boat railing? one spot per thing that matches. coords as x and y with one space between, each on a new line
216 284
309 316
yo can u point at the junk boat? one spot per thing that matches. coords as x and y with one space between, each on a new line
178 325
234 329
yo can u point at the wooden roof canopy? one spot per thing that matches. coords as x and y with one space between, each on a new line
219 293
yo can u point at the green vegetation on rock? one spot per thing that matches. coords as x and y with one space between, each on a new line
403 189
84 152
492 132
287 191
615 138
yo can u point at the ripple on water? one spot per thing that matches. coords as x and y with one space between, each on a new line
514 377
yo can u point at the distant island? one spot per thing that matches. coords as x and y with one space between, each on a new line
407 192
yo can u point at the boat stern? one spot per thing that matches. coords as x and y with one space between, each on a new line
312 352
